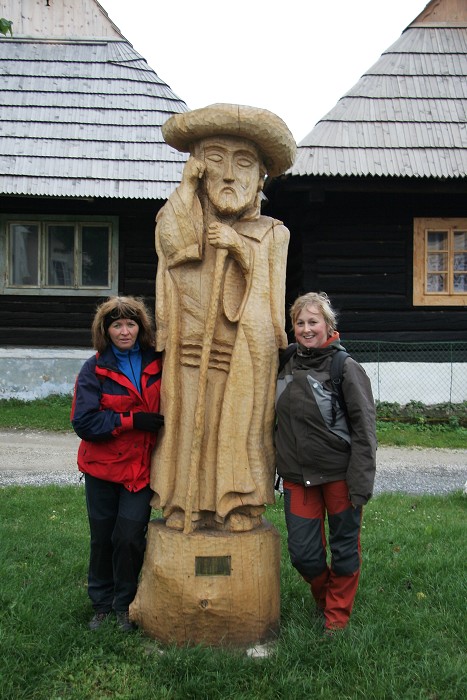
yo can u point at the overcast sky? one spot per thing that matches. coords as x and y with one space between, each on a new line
293 57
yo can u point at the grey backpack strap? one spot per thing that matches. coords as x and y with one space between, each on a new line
337 365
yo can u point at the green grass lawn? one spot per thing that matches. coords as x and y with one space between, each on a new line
53 413
406 639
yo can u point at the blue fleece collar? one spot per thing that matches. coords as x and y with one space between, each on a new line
129 362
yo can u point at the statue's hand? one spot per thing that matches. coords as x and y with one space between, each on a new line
281 339
192 173
223 236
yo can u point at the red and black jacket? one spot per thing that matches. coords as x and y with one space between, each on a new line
104 402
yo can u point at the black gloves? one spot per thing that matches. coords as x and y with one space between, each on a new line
151 422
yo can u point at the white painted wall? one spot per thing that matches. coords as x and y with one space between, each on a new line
29 373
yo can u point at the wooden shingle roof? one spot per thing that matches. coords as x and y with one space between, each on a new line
81 110
407 116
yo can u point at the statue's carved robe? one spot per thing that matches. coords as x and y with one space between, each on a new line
236 466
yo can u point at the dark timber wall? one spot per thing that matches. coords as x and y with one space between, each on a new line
354 240
45 321
349 237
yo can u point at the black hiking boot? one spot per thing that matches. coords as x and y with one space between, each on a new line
124 622
98 619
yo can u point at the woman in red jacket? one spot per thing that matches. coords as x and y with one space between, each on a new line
115 413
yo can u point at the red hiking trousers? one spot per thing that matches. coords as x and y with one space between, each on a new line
333 586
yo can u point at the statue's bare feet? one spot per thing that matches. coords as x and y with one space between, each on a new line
239 522
176 520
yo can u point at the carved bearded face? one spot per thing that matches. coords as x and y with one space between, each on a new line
233 175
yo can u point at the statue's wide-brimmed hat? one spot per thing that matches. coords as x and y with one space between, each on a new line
270 134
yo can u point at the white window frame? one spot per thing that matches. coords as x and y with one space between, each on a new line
421 297
42 221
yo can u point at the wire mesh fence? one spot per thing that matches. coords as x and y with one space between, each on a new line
431 373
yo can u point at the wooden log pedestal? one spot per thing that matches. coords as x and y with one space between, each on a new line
209 587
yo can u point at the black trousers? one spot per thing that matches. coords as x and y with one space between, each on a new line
118 521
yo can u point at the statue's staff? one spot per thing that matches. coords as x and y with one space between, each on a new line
198 431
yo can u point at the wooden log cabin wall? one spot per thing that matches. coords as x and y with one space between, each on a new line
354 240
64 321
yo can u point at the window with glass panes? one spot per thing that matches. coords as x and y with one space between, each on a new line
59 255
440 261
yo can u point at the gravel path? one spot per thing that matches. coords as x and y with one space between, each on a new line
39 457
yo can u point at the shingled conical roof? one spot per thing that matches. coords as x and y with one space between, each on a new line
406 116
81 110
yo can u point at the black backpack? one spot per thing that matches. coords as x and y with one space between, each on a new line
337 364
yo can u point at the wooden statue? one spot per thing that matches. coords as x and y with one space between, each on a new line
220 319
220 292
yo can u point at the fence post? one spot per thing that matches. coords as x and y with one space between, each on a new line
452 372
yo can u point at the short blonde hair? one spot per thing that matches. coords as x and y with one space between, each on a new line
122 307
319 299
